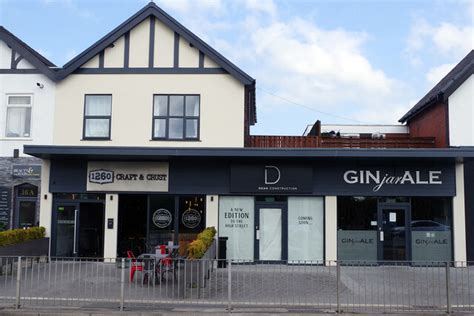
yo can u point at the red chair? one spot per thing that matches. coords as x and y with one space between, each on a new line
134 264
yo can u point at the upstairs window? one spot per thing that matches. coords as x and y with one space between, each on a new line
18 122
97 117
176 117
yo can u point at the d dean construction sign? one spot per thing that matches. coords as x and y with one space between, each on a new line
114 176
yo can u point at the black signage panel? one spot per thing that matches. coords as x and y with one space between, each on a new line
427 179
271 178
5 206
26 171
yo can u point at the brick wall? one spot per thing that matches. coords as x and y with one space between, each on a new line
432 122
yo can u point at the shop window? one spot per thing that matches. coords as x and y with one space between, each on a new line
97 117
236 222
18 122
161 227
305 228
192 219
431 234
176 117
357 228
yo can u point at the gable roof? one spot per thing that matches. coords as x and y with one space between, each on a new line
32 56
151 9
443 89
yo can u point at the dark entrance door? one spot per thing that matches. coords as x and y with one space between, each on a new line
394 233
79 230
270 235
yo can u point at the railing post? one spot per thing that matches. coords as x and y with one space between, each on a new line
229 287
122 285
448 303
338 280
18 284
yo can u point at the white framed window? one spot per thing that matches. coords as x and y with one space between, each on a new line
18 116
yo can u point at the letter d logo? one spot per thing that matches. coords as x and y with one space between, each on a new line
272 178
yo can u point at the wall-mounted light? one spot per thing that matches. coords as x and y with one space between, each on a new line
16 153
111 197
212 198
40 85
45 196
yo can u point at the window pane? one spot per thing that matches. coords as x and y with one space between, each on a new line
160 105
18 122
357 228
13 100
236 221
27 214
191 128
98 105
176 128
192 105
305 228
160 128
431 236
97 128
176 105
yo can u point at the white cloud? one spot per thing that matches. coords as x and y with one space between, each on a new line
437 73
447 39
191 6
264 6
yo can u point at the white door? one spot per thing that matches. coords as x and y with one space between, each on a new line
270 234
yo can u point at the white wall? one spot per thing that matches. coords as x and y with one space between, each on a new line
221 112
461 114
42 110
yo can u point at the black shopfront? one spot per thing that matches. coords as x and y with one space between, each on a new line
272 204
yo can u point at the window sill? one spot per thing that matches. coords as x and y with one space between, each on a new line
23 139
174 140
95 139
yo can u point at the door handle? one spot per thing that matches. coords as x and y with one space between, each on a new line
381 235
74 250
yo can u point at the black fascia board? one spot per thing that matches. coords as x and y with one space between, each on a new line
32 56
444 88
115 152
152 9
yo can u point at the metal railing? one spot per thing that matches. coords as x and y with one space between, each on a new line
315 285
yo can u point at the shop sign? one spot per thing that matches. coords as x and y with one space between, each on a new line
5 206
271 178
191 218
127 176
162 218
26 171
378 179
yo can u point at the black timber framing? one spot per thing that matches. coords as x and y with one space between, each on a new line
41 64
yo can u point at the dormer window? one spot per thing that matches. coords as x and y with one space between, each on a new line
18 122
176 117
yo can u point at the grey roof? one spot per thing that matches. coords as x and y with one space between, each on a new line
121 153
151 9
443 89
32 56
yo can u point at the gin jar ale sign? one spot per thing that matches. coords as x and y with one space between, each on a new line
112 176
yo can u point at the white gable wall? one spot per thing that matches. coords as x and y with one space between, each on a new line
188 56
5 56
92 63
114 56
461 114
139 44
164 45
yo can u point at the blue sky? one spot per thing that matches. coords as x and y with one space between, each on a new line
338 61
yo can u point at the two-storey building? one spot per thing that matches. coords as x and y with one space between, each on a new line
151 144
27 90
